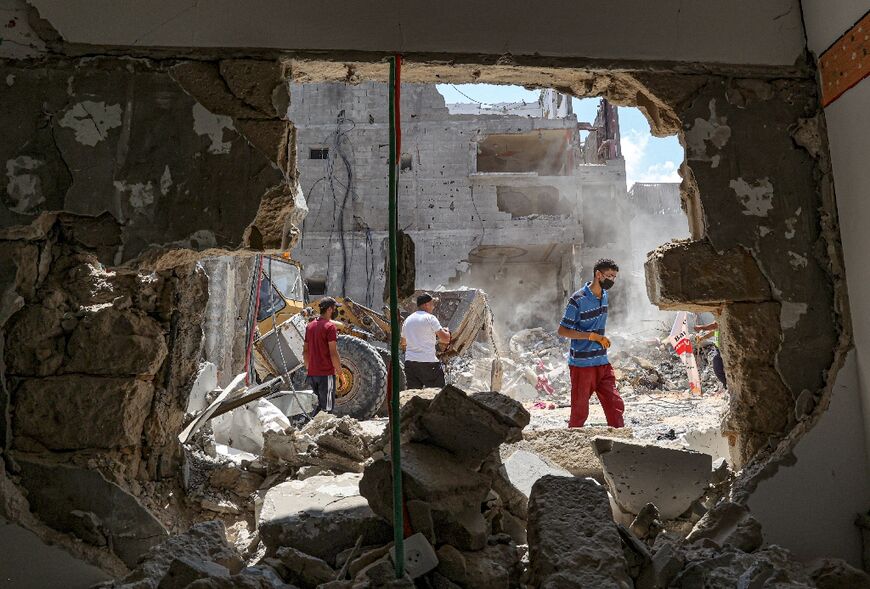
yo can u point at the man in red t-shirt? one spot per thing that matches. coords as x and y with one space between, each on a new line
320 354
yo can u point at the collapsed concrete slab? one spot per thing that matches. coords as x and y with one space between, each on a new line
637 474
83 503
320 516
573 541
571 448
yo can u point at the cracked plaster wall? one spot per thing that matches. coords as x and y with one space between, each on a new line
757 190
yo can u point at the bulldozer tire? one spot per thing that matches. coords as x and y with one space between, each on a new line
366 373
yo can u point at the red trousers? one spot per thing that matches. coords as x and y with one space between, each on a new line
600 380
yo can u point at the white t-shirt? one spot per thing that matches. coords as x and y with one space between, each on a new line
419 331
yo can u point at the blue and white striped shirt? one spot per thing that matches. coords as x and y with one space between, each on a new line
586 312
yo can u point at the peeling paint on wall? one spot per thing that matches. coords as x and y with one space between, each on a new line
797 260
10 80
757 198
206 123
139 195
24 189
91 121
713 131
790 313
165 181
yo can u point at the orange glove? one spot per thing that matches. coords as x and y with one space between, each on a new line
600 339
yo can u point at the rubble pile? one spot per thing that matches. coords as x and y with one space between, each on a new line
483 508
650 378
450 463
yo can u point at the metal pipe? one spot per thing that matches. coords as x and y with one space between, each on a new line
395 426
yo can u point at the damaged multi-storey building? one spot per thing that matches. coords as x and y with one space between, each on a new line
508 199
140 140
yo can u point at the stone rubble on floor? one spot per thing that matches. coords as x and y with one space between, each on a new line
497 512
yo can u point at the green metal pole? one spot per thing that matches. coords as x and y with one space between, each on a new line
398 519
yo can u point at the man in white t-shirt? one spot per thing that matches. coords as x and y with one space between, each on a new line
421 330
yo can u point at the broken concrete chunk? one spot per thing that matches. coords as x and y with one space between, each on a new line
114 410
301 569
571 448
508 410
451 564
367 558
573 541
833 573
519 473
472 429
420 517
321 516
771 567
671 281
56 491
184 570
465 529
636 552
497 565
647 525
729 524
637 474
339 434
431 474
663 567
204 542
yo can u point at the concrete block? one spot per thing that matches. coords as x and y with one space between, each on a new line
637 474
430 474
675 276
573 542
471 429
302 569
320 516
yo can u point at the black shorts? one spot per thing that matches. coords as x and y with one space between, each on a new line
421 375
324 388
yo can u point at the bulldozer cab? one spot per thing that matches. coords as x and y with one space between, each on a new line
281 293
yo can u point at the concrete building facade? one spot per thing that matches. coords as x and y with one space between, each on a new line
495 198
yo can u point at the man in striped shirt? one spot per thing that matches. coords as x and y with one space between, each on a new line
583 323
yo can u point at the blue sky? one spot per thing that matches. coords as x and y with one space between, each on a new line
647 158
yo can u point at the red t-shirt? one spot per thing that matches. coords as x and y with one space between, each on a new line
318 334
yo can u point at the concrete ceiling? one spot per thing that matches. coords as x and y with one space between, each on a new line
672 30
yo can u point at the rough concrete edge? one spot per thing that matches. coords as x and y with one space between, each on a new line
765 466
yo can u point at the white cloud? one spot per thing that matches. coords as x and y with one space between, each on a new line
661 172
635 148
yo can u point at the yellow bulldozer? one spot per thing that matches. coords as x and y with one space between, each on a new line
283 310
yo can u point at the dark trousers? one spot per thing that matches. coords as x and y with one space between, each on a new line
718 366
324 388
421 375
600 380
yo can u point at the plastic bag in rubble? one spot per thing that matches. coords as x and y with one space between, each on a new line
243 428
